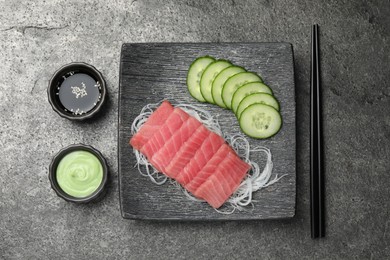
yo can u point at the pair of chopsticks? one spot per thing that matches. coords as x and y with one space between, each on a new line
316 169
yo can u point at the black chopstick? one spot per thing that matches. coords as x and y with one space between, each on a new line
316 169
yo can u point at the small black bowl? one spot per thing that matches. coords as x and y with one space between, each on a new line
100 191
94 102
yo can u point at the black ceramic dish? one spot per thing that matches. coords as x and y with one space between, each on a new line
77 91
142 199
100 191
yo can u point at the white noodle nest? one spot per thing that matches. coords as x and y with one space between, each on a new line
254 181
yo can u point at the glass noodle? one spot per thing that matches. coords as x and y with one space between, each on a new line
255 180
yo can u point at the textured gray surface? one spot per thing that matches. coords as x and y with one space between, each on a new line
152 72
38 37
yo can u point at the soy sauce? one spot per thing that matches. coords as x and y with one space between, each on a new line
79 92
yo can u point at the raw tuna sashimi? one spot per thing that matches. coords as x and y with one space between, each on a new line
225 180
208 148
173 123
163 157
187 151
209 169
155 121
179 146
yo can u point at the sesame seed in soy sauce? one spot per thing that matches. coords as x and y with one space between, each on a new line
79 92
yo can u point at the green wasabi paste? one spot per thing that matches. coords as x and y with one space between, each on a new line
79 173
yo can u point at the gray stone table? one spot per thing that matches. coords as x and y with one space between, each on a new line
37 37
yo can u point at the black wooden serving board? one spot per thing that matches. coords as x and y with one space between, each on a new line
150 72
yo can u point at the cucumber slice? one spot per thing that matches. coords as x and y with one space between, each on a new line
260 121
234 82
208 76
222 77
194 75
247 89
257 98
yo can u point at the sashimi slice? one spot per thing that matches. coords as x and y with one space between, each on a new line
154 122
165 132
187 151
208 148
163 157
209 169
226 179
